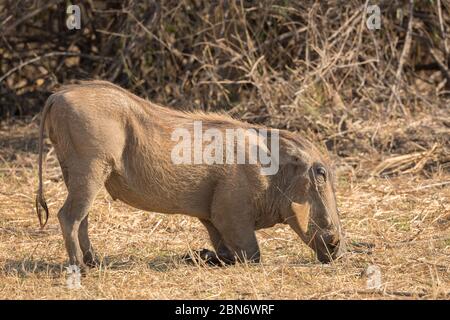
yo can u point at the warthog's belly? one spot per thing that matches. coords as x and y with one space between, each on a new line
120 189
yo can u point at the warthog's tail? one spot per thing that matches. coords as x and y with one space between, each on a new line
40 200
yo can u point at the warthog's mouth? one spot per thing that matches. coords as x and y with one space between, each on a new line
329 250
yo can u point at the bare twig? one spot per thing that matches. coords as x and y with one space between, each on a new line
403 57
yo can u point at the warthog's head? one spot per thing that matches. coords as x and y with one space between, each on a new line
309 190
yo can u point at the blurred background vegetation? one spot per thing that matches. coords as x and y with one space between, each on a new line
310 66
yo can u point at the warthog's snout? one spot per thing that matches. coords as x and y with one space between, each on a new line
329 246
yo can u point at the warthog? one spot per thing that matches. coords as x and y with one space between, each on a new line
105 136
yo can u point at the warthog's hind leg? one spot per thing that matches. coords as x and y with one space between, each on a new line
89 257
83 185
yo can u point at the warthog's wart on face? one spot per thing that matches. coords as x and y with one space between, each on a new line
234 177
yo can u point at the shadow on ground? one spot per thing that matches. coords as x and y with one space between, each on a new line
23 268
160 263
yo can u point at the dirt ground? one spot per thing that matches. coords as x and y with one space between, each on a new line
400 224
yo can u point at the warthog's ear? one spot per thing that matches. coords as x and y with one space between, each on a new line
302 215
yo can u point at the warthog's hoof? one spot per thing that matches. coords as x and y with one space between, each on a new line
207 257
90 260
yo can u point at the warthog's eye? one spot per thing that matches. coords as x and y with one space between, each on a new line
321 174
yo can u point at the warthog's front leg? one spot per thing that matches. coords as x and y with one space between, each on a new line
241 241
238 235
232 217
223 254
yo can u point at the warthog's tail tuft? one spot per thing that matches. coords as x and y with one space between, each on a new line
40 200
41 203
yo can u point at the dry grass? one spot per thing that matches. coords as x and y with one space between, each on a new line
406 218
